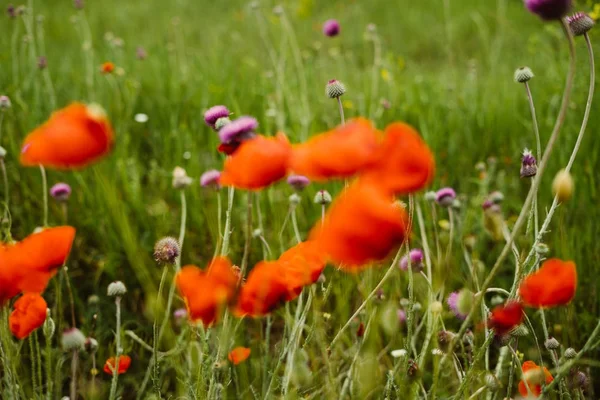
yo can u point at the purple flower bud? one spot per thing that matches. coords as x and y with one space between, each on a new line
548 9
180 314
401 315
78 4
140 53
238 130
298 182
4 102
11 11
210 179
42 62
60 191
528 165
416 260
453 304
331 28
214 113
580 23
445 197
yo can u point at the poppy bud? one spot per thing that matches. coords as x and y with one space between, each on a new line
335 89
570 353
562 186
322 197
528 165
180 178
551 344
5 102
166 250
72 339
464 301
116 289
580 23
49 327
523 74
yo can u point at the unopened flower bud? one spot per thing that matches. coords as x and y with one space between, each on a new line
430 196
580 23
221 122
491 382
180 178
5 102
49 326
562 186
166 250
335 89
91 345
523 74
520 331
60 192
528 165
116 289
72 339
580 380
436 307
444 339
2 153
322 197
445 197
570 353
294 199
541 248
551 344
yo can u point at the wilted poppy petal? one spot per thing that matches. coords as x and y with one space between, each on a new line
239 355
339 153
554 284
404 163
110 366
258 162
265 289
72 138
29 313
506 317
362 225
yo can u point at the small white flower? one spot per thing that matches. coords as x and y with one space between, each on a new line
141 118
399 353
180 178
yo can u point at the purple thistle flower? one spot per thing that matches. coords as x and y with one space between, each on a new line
528 165
214 113
580 23
416 260
180 315
60 191
140 53
445 197
238 130
401 314
548 9
331 28
298 182
453 304
210 179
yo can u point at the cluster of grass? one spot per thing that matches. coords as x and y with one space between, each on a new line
445 67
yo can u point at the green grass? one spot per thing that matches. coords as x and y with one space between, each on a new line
449 74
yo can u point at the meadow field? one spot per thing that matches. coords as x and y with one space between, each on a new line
373 331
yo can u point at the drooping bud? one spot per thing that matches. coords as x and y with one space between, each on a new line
551 344
580 23
562 186
72 339
116 289
166 250
335 89
523 74
528 165
322 197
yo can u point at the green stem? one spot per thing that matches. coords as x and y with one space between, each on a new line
227 232
341 109
115 377
45 194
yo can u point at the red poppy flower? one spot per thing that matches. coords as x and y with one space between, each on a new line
72 138
362 225
107 67
110 366
302 265
27 266
552 285
257 163
506 317
29 313
534 376
207 292
239 355
228 148
339 153
404 163
265 289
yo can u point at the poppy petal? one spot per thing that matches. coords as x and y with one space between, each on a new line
29 313
239 355
506 317
554 284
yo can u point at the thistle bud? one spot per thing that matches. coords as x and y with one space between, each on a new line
445 197
562 186
491 382
294 199
221 122
5 102
551 344
580 23
91 345
72 339
116 289
528 165
166 250
180 178
436 307
570 353
335 89
541 249
210 179
60 192
430 196
520 331
523 74
322 197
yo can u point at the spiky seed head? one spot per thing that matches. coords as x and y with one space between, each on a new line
335 89
49 326
166 250
116 289
562 186
322 197
580 23
520 331
570 353
551 344
523 74
72 339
